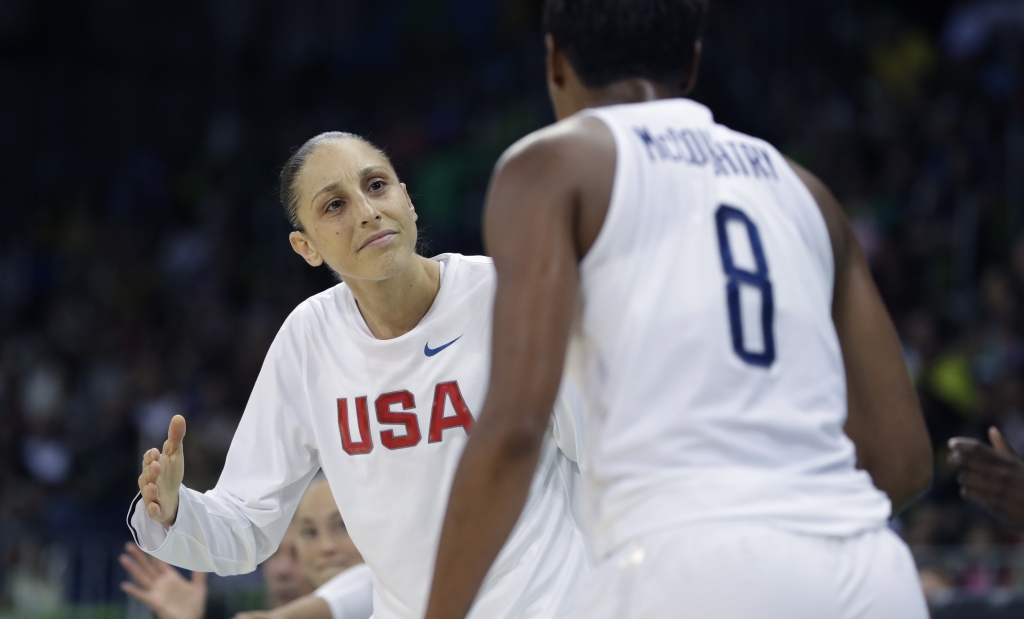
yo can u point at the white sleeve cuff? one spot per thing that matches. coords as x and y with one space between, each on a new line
149 534
349 594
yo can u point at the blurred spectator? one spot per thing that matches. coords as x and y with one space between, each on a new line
329 559
162 588
315 553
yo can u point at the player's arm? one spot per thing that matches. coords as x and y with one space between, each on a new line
238 524
885 420
530 218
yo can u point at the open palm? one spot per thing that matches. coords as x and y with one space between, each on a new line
162 588
162 472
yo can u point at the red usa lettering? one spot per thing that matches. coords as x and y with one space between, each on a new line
393 409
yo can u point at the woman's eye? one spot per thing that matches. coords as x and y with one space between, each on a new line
333 205
376 185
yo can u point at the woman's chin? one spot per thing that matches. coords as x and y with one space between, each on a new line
387 263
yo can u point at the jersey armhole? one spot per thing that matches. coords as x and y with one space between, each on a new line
598 249
816 218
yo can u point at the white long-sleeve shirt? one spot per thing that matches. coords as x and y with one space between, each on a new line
349 594
387 421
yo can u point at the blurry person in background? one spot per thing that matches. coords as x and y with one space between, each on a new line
171 596
324 547
992 477
316 552
286 580
329 560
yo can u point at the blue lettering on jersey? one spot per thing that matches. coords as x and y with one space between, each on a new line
696 148
430 352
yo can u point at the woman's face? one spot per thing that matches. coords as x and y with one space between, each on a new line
286 580
323 545
355 214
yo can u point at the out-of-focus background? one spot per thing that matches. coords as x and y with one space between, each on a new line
144 265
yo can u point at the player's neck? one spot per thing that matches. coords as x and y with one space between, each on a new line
634 90
394 306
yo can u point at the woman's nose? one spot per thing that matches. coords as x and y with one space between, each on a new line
367 212
328 545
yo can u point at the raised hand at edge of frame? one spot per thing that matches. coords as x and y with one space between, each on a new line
162 472
992 477
163 588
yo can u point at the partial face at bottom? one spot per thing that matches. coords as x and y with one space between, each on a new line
285 578
323 544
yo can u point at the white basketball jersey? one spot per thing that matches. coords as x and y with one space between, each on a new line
705 353
387 421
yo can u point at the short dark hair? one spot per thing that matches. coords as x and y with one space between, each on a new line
295 163
611 40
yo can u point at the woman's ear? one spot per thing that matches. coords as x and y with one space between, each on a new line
415 215
555 62
304 247
691 76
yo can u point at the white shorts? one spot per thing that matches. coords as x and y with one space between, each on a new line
750 571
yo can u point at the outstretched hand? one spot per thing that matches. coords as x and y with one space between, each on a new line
992 477
162 588
162 472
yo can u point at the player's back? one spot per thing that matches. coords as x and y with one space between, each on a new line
708 362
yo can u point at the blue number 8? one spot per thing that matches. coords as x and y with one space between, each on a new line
758 279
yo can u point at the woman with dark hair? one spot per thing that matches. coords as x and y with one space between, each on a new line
377 381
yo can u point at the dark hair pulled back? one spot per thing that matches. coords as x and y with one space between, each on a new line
295 163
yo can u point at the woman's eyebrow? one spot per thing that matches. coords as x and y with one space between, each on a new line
368 170
332 187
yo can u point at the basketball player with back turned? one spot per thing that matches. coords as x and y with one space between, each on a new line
719 318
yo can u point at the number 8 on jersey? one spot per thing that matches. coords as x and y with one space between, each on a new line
757 279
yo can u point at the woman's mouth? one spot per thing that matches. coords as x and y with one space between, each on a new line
380 239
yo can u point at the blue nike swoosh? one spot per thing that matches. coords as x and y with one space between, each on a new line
430 352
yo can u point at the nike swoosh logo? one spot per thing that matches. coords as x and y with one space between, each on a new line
430 352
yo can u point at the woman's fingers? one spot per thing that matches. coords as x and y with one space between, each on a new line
968 450
137 593
1000 471
161 568
153 509
161 474
146 562
136 571
982 483
175 435
999 442
988 501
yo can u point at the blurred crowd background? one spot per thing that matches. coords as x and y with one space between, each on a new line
144 264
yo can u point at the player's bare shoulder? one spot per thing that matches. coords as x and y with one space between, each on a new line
577 135
575 159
